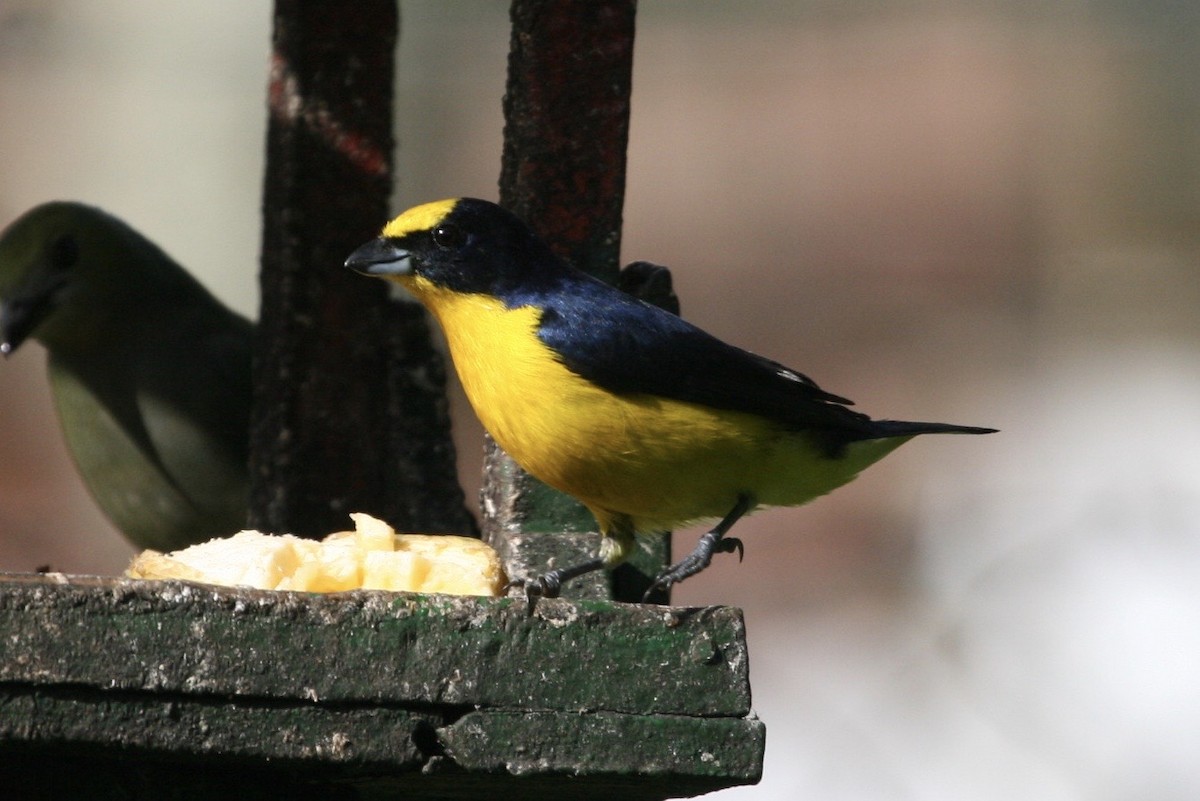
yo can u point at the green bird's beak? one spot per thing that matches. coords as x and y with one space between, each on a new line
381 257
29 305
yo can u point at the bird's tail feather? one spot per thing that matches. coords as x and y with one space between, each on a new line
902 428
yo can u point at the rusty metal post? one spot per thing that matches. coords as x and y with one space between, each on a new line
350 410
566 113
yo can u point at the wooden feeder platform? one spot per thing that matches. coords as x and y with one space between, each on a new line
116 688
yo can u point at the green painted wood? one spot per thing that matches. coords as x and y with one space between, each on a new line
149 686
607 744
374 647
366 694
56 775
246 731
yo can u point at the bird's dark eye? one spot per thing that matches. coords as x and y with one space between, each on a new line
64 252
448 236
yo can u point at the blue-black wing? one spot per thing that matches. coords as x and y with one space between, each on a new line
627 346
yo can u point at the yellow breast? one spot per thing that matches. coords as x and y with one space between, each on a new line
542 414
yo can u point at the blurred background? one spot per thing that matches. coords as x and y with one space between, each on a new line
977 212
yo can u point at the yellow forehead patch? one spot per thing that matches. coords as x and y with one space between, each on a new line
419 218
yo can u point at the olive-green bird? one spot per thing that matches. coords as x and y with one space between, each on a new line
150 373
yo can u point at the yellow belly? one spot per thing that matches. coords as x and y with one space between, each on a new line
661 462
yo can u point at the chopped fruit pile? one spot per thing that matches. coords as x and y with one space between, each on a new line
372 557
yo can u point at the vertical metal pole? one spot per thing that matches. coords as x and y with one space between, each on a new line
350 413
566 114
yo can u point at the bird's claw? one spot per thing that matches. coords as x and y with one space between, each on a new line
658 584
547 585
729 545
711 543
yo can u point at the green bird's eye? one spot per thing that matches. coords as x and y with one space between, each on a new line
448 237
64 252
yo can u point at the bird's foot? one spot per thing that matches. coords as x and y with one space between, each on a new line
549 584
729 545
701 556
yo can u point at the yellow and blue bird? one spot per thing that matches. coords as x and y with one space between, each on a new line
647 420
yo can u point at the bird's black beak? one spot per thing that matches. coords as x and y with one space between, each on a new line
381 257
24 311
14 328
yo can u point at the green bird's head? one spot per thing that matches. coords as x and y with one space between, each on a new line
463 245
72 274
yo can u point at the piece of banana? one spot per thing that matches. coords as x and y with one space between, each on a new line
372 557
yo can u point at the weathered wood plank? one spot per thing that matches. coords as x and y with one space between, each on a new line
143 687
250 731
607 743
374 647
